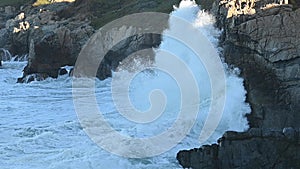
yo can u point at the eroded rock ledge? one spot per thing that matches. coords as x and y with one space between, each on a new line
263 41
254 149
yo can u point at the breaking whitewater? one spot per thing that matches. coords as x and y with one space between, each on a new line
39 126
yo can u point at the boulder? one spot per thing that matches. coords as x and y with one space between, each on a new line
62 71
112 54
52 42
55 49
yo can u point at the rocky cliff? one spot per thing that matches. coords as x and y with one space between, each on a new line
261 38
52 35
49 39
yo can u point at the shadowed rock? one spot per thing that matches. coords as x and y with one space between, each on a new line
254 149
266 47
54 34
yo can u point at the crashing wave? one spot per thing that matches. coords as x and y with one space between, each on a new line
6 56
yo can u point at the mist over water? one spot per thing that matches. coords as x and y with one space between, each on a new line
39 127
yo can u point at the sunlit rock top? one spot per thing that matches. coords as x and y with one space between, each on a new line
247 7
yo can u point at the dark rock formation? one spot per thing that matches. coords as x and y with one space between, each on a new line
3 37
33 77
255 149
62 71
6 13
54 34
51 41
57 48
5 55
263 41
125 48
266 47
295 3
122 40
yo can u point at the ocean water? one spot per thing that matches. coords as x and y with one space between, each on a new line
39 127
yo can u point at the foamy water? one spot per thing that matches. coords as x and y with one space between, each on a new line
39 126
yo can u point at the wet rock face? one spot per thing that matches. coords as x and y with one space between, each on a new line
51 42
33 77
126 48
3 37
18 30
266 47
249 150
54 34
122 43
6 13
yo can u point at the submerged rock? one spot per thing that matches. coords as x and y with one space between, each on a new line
62 71
33 77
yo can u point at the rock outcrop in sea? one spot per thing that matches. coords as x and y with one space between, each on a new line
52 35
262 39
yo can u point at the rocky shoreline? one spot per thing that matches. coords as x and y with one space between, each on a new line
49 38
256 148
263 41
52 35
261 38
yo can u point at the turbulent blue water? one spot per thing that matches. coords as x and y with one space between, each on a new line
39 126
